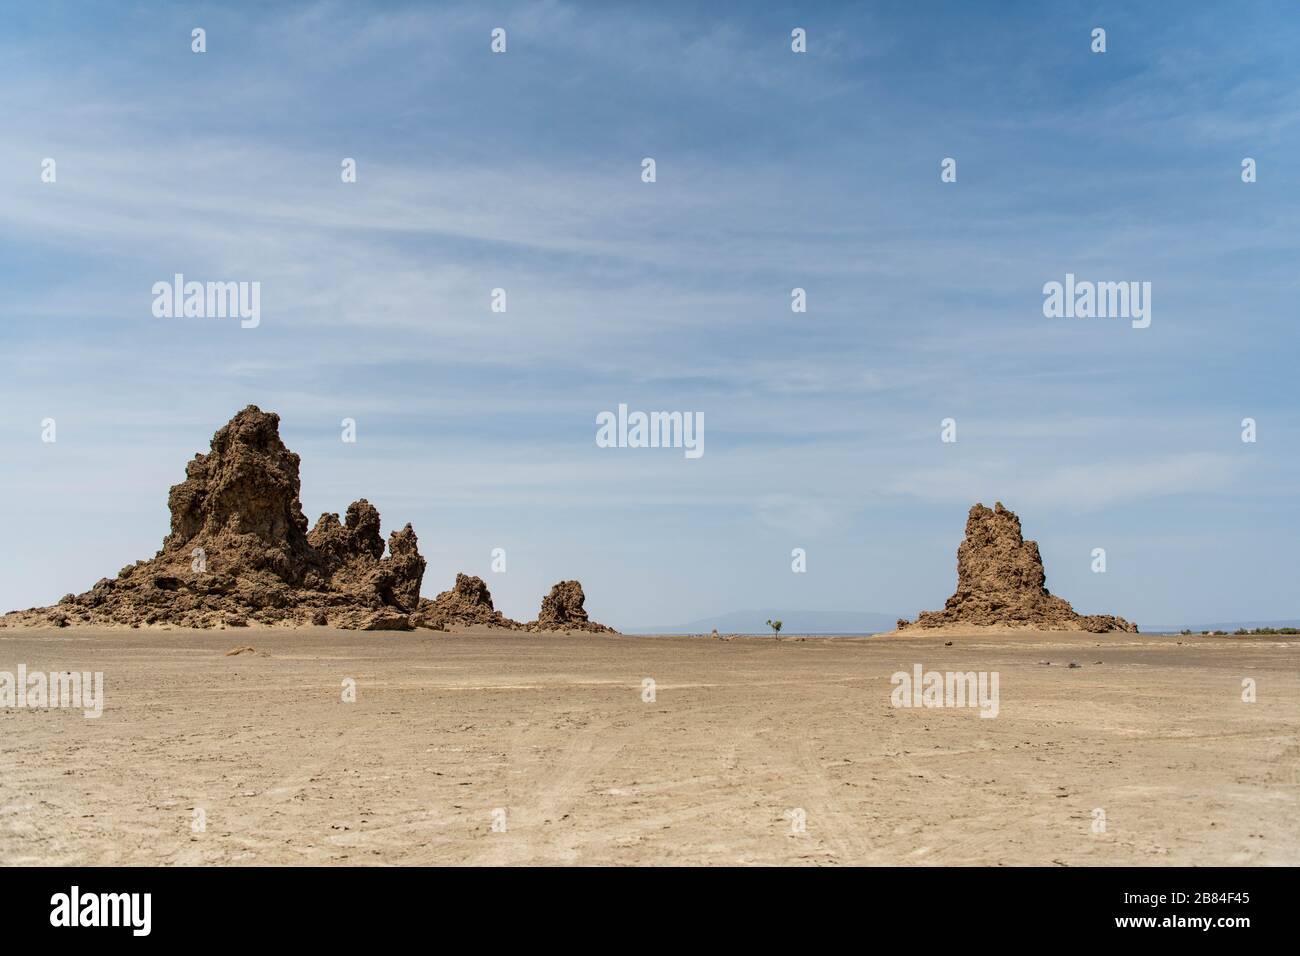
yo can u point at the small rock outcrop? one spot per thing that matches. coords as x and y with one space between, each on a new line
562 610
1000 581
468 603
239 552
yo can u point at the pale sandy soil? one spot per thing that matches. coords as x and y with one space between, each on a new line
554 731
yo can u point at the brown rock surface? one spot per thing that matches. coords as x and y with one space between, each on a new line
562 610
239 552
468 603
1001 582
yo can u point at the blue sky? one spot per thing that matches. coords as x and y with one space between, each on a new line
774 170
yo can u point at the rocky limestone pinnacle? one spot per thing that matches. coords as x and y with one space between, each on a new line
1001 581
239 552
467 604
562 610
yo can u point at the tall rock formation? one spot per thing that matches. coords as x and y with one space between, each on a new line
239 552
1000 581
562 610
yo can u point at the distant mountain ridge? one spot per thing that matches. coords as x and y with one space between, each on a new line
752 621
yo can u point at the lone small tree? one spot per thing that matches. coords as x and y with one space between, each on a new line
776 628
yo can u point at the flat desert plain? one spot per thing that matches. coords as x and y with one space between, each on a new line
475 748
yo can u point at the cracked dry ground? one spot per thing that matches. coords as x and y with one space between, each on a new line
447 729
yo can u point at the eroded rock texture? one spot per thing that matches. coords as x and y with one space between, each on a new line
562 610
468 603
1000 581
239 552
